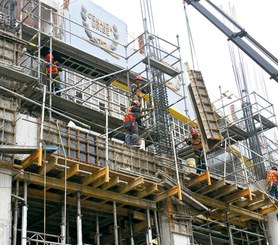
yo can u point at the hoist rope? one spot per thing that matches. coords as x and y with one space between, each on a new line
190 40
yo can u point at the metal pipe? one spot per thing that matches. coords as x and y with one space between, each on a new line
157 228
63 226
79 220
16 213
106 128
41 129
149 231
131 230
24 216
115 223
97 230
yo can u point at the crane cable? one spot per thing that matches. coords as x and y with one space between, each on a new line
190 39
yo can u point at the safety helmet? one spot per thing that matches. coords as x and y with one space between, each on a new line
138 77
193 131
274 168
49 57
136 102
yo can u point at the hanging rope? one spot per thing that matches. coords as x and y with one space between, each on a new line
191 43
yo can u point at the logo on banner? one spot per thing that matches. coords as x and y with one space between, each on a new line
91 23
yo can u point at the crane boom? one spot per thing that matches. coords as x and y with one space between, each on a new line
265 60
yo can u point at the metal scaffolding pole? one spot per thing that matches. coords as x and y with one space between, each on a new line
97 237
24 216
131 230
15 214
149 229
115 223
63 226
157 229
79 220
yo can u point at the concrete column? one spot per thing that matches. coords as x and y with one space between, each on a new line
272 227
5 205
174 231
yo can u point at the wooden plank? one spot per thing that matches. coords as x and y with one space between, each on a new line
30 160
266 202
73 170
259 197
96 175
48 166
112 182
87 204
212 202
149 190
213 187
198 179
132 185
269 209
236 196
100 182
166 194
106 195
224 191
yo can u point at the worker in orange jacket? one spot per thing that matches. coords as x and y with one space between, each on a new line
55 69
272 181
197 145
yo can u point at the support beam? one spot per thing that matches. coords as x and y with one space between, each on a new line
132 185
95 206
224 191
47 167
166 194
215 186
212 202
148 191
237 195
112 182
198 179
106 195
102 180
97 175
30 160
73 170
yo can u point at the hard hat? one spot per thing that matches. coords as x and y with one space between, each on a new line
138 77
49 57
274 167
193 131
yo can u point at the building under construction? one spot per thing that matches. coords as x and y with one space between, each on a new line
66 175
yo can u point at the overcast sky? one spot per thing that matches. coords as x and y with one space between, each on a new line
258 18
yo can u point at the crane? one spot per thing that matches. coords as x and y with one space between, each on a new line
263 58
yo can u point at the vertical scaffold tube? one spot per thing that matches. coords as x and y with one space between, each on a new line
79 221
149 231
115 223
24 216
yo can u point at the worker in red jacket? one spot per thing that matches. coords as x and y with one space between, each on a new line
197 145
54 69
272 181
136 88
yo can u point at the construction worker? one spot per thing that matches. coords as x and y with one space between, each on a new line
136 88
272 181
197 145
130 129
55 70
136 109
